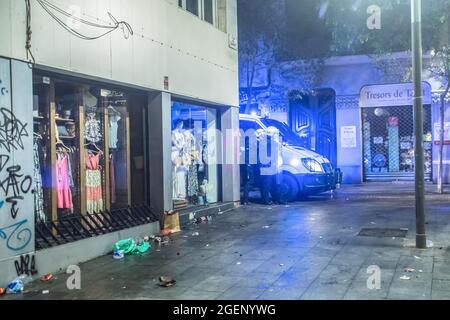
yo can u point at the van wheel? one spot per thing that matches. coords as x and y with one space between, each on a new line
287 190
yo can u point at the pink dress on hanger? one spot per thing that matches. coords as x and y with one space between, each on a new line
94 197
63 192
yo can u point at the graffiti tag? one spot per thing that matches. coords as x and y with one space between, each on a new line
15 186
26 265
20 236
12 130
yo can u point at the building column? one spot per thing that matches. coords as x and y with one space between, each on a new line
159 150
436 122
349 148
230 155
17 214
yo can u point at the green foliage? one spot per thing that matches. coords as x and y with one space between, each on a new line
347 19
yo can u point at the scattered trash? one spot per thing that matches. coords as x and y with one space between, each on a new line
45 291
373 223
418 258
165 241
209 218
166 282
16 286
238 263
195 234
281 264
430 244
410 269
393 238
191 216
119 254
420 271
2 291
130 246
47 277
166 232
207 245
405 278
149 238
172 222
404 229
124 287
266 227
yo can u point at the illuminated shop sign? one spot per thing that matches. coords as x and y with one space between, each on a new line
392 95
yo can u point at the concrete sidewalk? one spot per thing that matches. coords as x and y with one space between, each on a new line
306 250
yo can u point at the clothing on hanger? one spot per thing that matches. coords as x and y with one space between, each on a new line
94 196
92 128
63 182
113 130
38 193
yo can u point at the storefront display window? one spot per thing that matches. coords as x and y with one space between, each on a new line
194 163
82 148
389 141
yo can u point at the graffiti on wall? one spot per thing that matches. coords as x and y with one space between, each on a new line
15 186
12 131
26 265
15 181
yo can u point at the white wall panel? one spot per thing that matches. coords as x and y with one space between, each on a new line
190 47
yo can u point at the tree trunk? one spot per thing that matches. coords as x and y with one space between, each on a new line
250 88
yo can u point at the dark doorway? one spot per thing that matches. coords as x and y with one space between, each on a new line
313 118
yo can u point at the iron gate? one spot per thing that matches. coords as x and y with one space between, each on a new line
388 142
77 227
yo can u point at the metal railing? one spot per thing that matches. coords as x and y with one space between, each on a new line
77 227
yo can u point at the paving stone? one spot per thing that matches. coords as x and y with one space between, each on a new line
311 250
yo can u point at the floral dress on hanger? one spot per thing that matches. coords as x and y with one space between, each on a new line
94 197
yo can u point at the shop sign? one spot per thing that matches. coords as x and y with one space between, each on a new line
348 137
392 95
437 133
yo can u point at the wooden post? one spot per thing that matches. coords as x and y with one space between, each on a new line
127 133
82 161
107 186
52 137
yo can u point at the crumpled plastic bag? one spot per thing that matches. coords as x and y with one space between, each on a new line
129 246
16 286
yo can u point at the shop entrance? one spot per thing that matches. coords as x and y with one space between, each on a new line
388 143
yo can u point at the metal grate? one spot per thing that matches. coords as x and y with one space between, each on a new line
383 233
388 142
78 227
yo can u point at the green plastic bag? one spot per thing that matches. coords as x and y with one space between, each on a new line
129 246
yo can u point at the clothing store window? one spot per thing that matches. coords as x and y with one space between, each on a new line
194 155
82 148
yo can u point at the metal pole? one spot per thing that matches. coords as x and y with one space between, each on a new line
421 238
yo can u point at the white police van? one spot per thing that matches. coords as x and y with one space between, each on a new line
303 172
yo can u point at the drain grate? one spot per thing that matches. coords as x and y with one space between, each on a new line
383 233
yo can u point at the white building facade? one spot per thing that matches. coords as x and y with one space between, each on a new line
92 97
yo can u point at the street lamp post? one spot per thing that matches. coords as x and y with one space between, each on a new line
416 20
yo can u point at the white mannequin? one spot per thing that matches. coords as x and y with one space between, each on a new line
179 168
